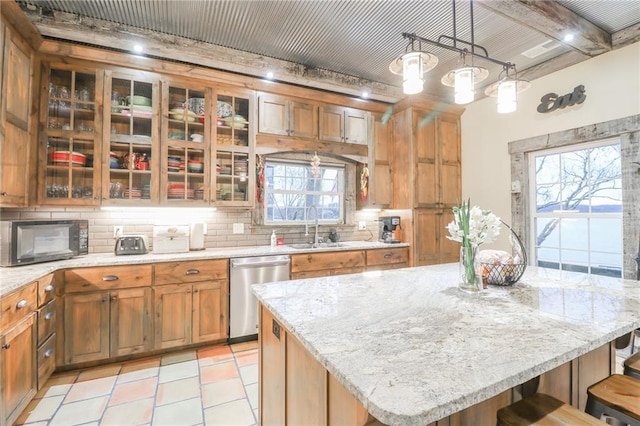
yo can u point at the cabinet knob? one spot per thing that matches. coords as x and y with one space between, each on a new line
192 271
48 315
110 278
48 353
6 346
21 304
114 298
48 288
4 193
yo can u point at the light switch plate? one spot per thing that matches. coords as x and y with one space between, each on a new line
238 228
362 225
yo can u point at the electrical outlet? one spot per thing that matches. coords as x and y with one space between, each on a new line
362 225
118 231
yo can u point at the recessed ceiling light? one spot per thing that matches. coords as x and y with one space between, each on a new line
270 75
568 37
138 48
365 95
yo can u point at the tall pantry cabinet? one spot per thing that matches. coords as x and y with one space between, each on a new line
426 177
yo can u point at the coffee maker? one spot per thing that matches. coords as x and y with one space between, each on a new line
388 225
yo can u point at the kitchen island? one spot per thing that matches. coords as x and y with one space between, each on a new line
410 348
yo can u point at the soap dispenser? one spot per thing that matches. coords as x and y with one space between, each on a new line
274 239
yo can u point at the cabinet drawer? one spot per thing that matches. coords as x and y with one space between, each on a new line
46 289
106 278
18 304
191 271
46 321
46 360
387 256
333 260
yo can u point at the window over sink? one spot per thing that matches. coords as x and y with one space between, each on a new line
294 195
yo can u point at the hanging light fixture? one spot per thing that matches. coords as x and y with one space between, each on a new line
414 63
506 90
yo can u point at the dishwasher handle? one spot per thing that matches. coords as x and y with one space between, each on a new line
242 264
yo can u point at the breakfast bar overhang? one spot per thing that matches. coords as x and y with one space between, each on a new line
407 347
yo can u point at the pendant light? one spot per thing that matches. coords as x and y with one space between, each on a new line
506 90
411 66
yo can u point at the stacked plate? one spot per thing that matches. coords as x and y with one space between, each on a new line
175 164
199 194
241 167
133 193
146 191
177 191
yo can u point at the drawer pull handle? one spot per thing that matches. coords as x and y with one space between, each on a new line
48 288
48 315
21 304
110 278
192 271
6 346
388 256
48 353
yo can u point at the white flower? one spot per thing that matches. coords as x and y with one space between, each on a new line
473 224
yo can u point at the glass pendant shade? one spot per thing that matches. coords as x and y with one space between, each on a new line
463 85
507 102
412 70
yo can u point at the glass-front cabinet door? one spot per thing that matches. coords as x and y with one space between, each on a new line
131 148
186 142
70 152
234 148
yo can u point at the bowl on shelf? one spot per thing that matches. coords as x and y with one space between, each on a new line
196 105
63 157
182 114
177 135
138 100
195 166
236 122
224 109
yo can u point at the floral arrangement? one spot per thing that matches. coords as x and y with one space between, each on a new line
472 226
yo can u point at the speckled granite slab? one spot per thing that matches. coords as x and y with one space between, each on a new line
413 349
14 277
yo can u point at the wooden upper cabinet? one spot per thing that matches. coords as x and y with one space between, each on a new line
282 116
15 109
340 124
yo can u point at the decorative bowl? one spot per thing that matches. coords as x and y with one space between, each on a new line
138 100
196 105
224 109
237 122
195 166
62 157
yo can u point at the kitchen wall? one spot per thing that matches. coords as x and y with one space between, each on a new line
219 225
612 84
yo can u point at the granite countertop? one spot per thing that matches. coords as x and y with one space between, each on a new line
413 349
17 276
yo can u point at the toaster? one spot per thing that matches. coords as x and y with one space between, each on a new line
131 244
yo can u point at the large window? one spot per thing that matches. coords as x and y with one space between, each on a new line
577 213
294 195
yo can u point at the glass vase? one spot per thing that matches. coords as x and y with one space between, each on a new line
470 277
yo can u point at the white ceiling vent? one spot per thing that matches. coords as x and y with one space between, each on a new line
541 49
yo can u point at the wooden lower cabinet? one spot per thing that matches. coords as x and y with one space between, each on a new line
106 324
314 265
18 371
190 313
430 243
391 258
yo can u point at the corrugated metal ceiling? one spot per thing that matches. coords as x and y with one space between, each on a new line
358 38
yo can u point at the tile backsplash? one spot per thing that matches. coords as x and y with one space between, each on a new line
219 225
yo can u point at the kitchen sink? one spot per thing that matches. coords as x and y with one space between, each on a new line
306 246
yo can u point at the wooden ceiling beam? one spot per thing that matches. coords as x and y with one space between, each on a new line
111 35
551 18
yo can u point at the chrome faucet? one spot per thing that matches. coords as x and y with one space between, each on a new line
316 240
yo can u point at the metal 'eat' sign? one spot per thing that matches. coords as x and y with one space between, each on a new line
551 101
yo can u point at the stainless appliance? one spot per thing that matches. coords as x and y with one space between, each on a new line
171 239
131 244
388 225
33 241
243 306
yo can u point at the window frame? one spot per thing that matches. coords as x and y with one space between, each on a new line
533 214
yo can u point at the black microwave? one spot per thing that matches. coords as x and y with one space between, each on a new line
33 241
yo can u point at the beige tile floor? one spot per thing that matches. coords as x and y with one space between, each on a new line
216 385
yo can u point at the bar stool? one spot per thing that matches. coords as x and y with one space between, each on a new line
543 410
616 396
632 366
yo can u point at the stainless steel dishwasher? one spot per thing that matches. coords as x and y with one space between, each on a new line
243 306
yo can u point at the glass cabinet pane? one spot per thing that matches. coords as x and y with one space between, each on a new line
232 121
186 115
232 176
131 134
69 171
71 101
185 172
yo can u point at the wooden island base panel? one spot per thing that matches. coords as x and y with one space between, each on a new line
407 347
